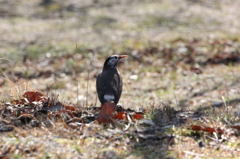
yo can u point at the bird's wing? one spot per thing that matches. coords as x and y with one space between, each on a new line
117 87
101 87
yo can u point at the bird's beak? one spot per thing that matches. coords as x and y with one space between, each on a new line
122 56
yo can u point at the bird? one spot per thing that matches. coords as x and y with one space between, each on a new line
109 81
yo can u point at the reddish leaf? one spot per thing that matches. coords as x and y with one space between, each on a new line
121 116
106 113
206 129
209 129
33 96
68 107
236 127
138 116
195 128
196 69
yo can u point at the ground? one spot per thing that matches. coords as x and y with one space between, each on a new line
181 71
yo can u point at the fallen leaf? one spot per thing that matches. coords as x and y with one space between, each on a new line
236 127
209 129
206 129
121 116
32 96
195 128
68 107
138 116
106 113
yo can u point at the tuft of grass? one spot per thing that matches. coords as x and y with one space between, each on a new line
161 113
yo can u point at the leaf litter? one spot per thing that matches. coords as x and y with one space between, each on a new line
39 112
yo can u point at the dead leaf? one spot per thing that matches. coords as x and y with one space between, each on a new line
236 127
206 129
33 96
106 113
68 107
138 116
209 129
195 128
121 116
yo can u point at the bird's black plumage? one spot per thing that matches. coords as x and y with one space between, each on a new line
109 81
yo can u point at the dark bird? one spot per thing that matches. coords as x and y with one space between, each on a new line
109 81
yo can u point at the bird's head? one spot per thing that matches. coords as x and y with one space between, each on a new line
112 61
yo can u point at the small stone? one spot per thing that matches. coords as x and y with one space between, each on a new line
133 77
109 154
34 123
16 122
201 144
27 150
5 128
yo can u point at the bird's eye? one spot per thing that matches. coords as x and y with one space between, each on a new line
115 57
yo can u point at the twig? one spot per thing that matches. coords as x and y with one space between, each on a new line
193 153
87 89
77 94
5 59
96 100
